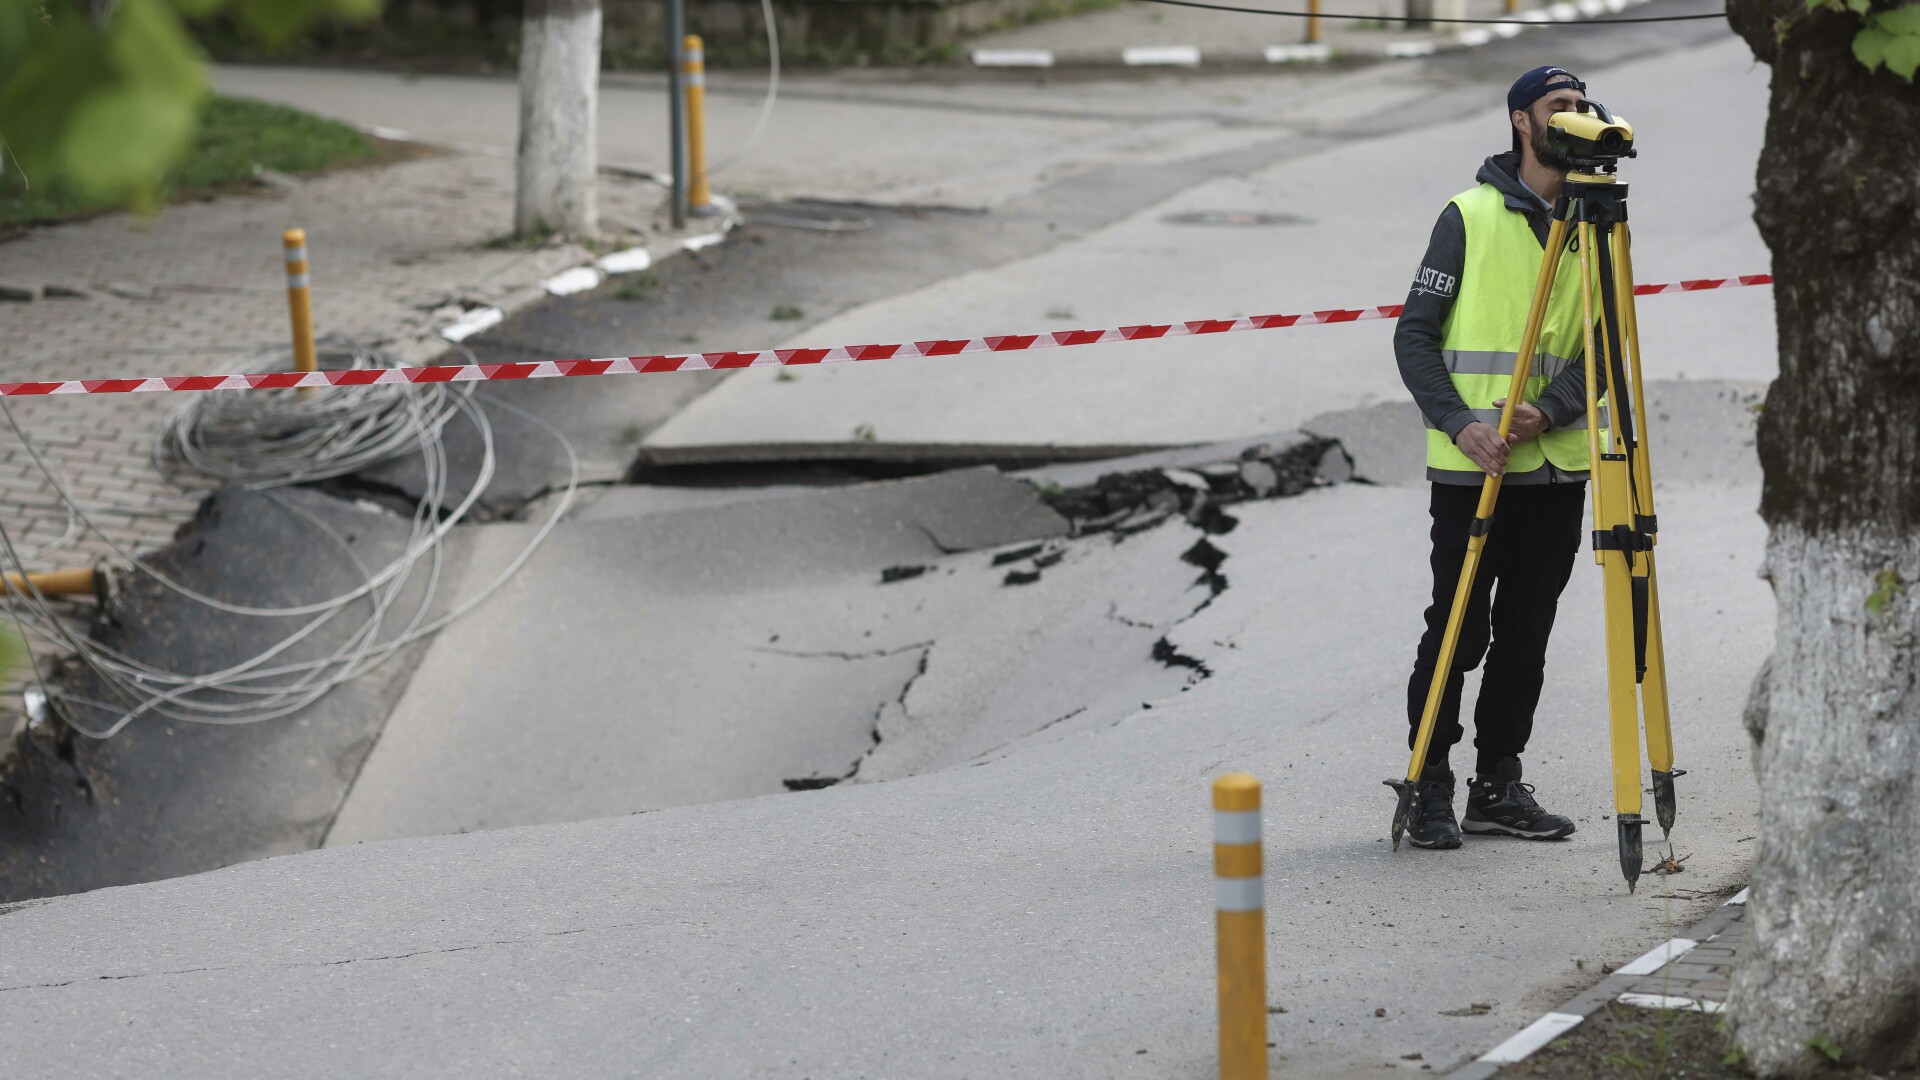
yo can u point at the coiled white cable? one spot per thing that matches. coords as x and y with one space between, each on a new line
281 438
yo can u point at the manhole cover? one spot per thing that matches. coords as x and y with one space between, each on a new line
1233 217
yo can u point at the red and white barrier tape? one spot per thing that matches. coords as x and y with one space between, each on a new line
721 361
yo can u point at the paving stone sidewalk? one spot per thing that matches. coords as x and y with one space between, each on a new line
1693 970
396 251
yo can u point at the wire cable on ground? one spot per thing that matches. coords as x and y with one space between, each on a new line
293 439
1535 21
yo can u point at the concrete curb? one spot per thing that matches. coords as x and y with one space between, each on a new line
1189 56
1628 982
580 277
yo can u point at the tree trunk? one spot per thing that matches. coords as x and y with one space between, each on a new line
1835 907
559 82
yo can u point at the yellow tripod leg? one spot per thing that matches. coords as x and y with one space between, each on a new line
1612 506
1654 701
1477 535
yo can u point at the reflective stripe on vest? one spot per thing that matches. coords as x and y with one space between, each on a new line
1480 339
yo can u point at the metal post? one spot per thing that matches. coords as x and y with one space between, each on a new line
699 196
1240 927
299 298
677 105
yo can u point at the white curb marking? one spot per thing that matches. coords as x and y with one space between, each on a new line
1660 957
568 282
695 243
1282 54
1531 1038
626 262
1402 50
1039 58
1179 55
1662 1001
1741 896
472 323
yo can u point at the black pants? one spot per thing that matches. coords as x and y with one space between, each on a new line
1526 563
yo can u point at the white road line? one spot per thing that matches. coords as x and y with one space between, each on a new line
1741 896
1531 1038
1660 957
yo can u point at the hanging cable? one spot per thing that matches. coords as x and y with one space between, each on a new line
773 92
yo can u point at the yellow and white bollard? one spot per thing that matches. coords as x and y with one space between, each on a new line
1240 927
74 582
299 299
699 195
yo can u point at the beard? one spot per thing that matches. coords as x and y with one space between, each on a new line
1545 151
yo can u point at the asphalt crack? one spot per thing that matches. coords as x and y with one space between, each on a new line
815 783
1209 559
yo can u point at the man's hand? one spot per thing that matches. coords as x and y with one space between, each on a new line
1528 421
1482 444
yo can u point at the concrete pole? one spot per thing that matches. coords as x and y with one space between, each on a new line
677 106
559 91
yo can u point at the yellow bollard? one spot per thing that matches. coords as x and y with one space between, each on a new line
53 582
299 301
1313 22
1240 927
699 196
1512 6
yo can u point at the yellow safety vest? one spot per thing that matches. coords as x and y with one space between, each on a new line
1480 339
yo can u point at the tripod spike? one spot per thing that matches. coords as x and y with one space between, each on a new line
1663 800
1403 811
1630 853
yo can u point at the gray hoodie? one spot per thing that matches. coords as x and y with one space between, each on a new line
1416 340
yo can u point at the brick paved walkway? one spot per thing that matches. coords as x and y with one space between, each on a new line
394 250
1691 971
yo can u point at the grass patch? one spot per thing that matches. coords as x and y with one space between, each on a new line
235 135
1628 1041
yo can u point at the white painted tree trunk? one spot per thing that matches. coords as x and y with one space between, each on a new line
1836 889
559 83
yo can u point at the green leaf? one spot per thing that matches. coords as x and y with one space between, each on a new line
1901 20
277 21
1870 46
1859 7
1903 56
122 140
1825 1045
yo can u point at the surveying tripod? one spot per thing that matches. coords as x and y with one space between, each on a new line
1592 208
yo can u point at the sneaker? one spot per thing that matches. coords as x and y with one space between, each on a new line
1501 804
1432 824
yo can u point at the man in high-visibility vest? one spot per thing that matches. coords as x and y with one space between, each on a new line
1456 345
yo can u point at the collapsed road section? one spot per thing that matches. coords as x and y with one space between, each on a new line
668 645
